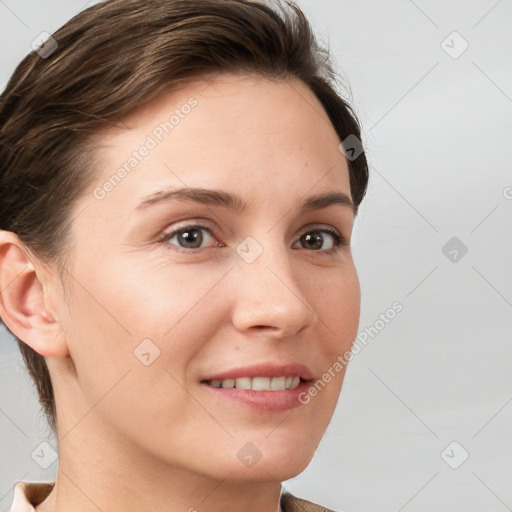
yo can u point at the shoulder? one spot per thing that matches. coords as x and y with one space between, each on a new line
290 503
29 494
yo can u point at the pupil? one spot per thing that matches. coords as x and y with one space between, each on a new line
192 236
317 240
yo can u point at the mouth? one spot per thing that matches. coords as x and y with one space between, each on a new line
257 383
264 388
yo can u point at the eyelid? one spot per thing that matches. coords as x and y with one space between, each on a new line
324 228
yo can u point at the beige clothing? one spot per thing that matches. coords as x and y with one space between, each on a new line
29 494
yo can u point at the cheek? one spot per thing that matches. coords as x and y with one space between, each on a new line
179 311
338 307
120 309
115 328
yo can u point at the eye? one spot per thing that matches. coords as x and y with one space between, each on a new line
315 240
189 237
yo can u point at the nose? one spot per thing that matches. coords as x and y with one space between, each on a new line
269 298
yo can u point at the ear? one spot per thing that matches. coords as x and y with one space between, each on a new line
24 307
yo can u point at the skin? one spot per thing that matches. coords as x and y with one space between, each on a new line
135 437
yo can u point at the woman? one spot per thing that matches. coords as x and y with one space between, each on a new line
178 186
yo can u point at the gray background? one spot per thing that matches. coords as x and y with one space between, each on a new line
438 132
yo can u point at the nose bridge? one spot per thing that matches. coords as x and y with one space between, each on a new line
267 291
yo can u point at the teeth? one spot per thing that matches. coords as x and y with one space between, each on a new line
278 383
228 383
243 383
258 383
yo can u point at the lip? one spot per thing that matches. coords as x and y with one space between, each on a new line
265 370
263 401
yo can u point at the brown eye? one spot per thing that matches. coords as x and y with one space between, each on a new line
189 237
315 240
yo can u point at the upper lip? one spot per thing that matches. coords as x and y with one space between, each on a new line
265 370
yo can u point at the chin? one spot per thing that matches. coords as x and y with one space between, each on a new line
270 461
270 470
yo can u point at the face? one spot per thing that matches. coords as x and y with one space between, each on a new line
171 290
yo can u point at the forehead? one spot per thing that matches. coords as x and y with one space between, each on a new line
231 131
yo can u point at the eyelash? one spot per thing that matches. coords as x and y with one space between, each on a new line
340 241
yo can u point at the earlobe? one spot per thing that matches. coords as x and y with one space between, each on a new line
23 306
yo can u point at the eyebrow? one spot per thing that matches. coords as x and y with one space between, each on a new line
235 203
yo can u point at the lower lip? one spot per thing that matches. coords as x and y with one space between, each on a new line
264 401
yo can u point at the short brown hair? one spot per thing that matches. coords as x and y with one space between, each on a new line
112 58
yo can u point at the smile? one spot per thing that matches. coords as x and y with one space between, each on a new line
257 383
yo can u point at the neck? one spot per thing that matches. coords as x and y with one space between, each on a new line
101 476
